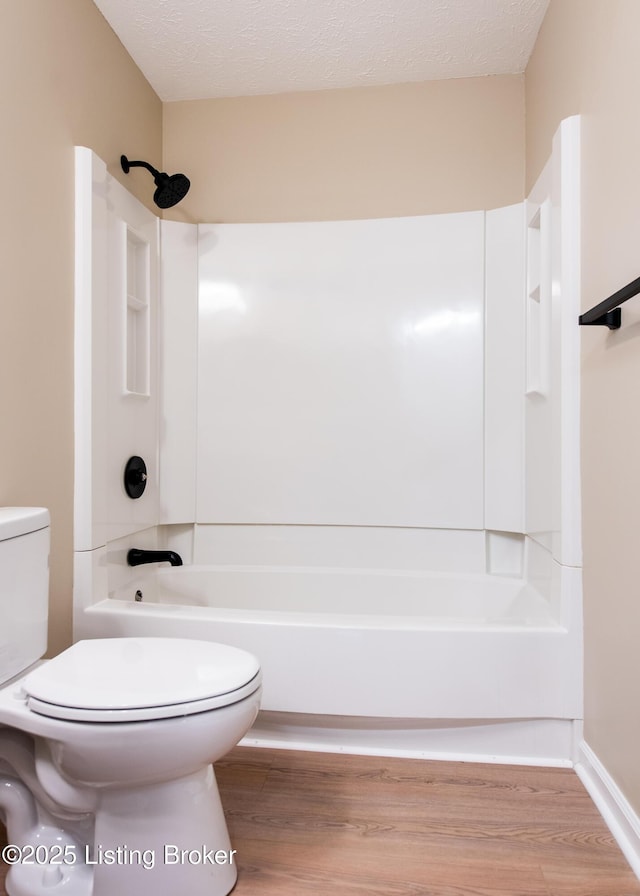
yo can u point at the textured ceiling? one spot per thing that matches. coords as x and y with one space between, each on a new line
195 49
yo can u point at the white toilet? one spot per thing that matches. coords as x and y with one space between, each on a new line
106 784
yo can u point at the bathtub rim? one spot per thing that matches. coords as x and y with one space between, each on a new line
346 621
490 610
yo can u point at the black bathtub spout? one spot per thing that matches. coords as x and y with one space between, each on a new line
136 557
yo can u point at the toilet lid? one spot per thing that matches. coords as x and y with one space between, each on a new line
120 679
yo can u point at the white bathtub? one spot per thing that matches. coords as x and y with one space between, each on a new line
453 647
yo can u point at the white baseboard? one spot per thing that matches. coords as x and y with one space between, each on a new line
614 807
547 742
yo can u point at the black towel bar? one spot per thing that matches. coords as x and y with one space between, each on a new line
607 313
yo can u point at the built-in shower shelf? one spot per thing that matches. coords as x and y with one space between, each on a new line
136 304
607 313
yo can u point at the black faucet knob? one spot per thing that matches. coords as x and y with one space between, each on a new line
135 477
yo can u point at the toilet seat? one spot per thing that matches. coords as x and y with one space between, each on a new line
140 679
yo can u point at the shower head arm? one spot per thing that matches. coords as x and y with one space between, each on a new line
126 165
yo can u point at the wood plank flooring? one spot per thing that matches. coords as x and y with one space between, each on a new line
322 823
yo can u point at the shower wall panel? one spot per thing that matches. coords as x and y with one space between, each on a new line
116 347
504 369
178 371
552 481
340 372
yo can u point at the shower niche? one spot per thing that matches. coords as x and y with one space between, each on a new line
137 314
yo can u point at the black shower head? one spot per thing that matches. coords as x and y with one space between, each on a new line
171 188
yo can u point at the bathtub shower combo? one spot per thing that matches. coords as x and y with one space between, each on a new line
361 439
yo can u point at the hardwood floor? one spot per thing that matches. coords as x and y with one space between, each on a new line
322 823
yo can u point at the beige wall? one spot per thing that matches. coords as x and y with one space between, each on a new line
409 149
65 79
586 61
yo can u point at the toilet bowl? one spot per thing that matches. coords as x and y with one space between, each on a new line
106 782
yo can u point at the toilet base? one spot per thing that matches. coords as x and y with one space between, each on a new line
167 839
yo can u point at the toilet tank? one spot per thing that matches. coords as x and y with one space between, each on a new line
24 587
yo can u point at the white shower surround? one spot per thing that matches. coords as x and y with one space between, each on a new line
341 373
503 657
